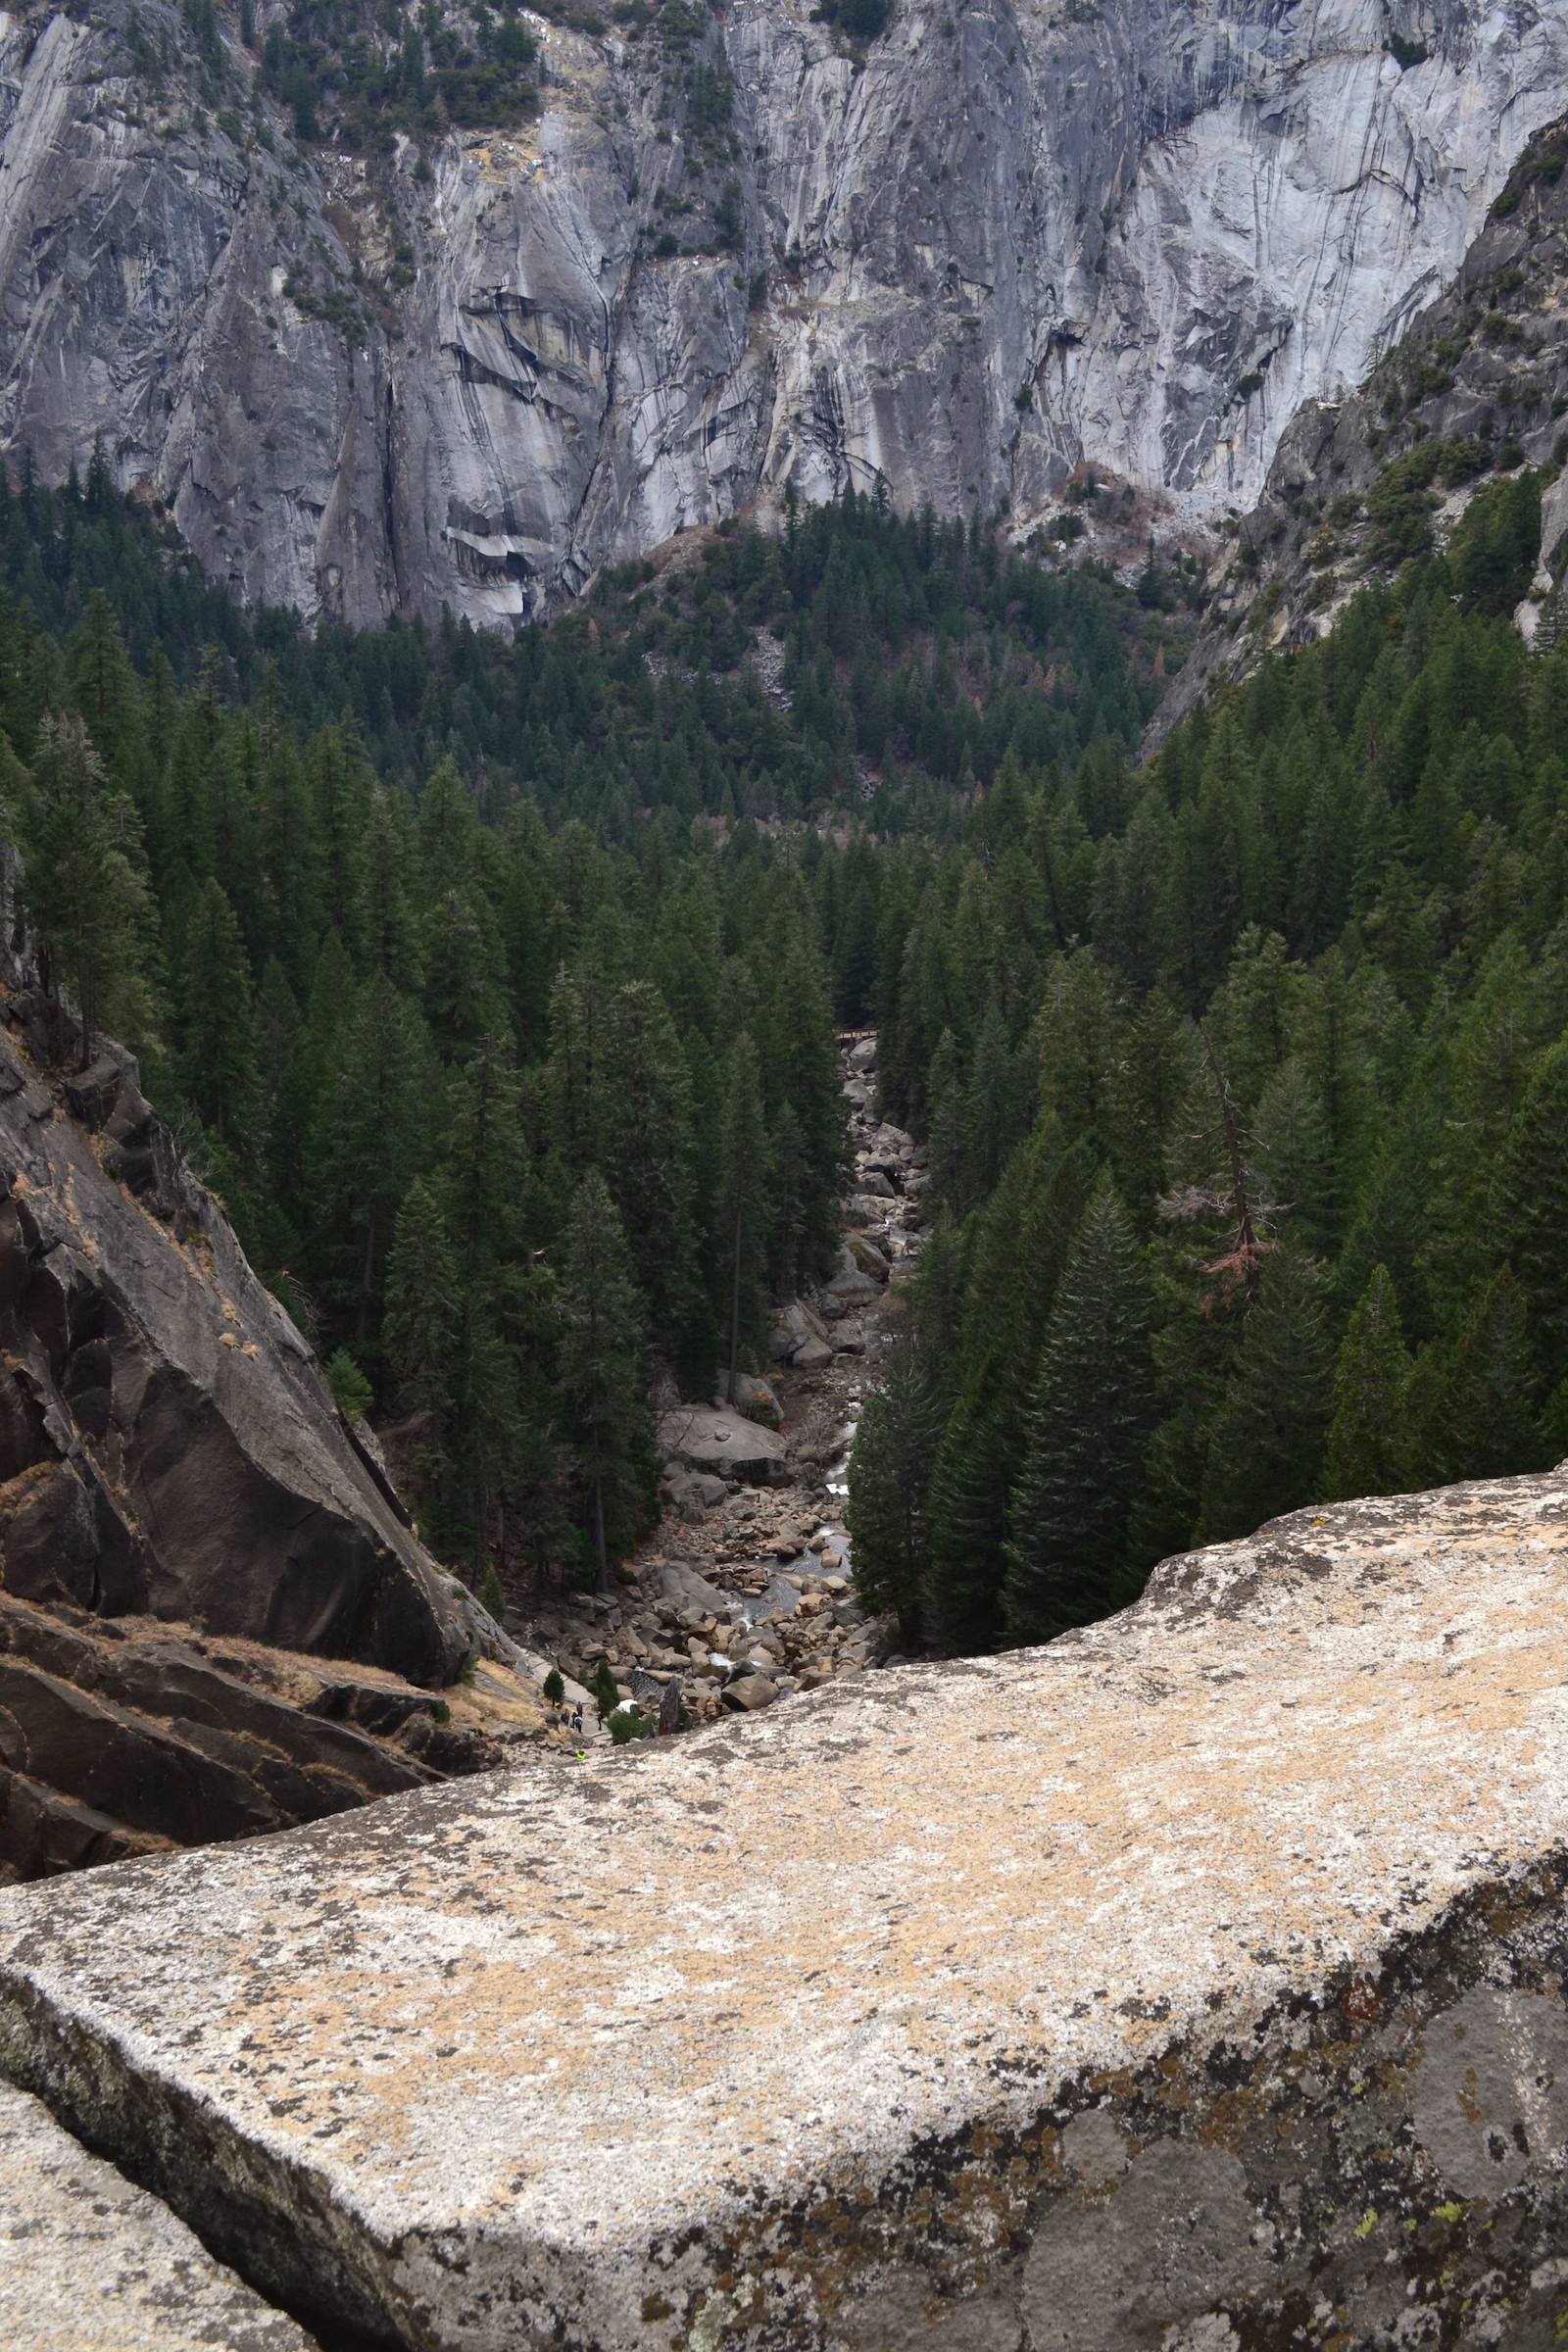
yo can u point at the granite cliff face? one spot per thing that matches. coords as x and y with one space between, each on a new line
993 242
167 1447
1474 392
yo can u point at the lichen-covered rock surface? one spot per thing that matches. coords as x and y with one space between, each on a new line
89 2263
1197 1980
735 251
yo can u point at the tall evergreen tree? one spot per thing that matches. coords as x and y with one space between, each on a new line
423 1312
1267 1439
1476 1412
1371 1443
1532 1219
601 1365
84 885
218 1074
1088 1425
741 1206
374 1135
889 1479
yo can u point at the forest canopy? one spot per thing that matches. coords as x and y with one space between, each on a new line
484 977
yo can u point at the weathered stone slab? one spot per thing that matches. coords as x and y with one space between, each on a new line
90 2264
715 1437
1194 1982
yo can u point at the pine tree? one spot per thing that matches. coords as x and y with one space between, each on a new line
104 686
1087 1429
967 1510
1371 1445
1478 1412
1267 1439
889 1477
219 1074
84 885
644 1148
600 1364
423 1310
742 1205
372 1139
1533 1185
1291 1148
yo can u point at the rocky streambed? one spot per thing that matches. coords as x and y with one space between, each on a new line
744 1593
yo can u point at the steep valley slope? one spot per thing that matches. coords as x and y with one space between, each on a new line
216 1618
375 368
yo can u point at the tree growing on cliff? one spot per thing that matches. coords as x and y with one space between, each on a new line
1087 1429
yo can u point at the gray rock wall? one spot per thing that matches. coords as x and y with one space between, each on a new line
1011 237
167 1445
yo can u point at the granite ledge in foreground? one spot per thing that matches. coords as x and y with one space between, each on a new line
1195 1983
90 2264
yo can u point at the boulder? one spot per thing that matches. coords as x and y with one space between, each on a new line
875 1185
714 1438
89 2263
167 1442
780 1597
853 1284
865 1254
1138 1990
756 1399
791 1325
848 1339
687 1590
862 1056
812 1354
750 1691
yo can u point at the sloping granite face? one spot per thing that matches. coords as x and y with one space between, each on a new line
999 240
1197 1980
90 2264
1312 542
167 1444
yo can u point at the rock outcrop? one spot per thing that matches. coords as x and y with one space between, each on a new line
730 254
167 1444
124 1735
1476 390
1196 1980
90 2264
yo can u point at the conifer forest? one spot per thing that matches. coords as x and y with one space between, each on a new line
494 986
